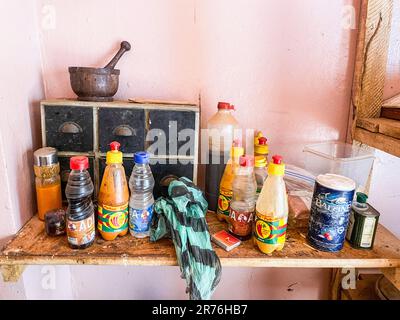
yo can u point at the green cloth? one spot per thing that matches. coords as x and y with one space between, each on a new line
181 216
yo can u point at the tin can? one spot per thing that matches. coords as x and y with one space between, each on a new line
363 224
330 210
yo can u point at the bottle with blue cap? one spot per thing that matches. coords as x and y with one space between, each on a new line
141 184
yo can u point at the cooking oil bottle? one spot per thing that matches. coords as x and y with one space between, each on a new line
272 210
225 189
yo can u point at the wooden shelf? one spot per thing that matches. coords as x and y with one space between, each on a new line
378 140
32 246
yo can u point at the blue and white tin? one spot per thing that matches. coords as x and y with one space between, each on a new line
330 210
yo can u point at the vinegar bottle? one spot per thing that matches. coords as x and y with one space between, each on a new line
113 197
272 210
80 223
221 128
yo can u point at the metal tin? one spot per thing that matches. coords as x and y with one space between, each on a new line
362 226
45 157
329 214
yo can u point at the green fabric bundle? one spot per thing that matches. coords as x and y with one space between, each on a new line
181 216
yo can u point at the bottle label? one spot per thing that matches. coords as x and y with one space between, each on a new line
112 219
140 219
270 231
81 232
224 201
240 222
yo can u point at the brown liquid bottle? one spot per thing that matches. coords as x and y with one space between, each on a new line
113 197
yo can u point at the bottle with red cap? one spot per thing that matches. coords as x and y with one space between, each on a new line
221 128
80 213
272 210
113 197
261 146
243 202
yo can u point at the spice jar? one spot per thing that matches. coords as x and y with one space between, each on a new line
48 182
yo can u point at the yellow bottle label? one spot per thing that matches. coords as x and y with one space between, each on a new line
270 230
224 201
112 219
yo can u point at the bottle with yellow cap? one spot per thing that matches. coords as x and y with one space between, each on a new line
113 197
225 188
272 210
260 171
261 146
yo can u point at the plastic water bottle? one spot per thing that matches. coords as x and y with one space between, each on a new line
141 184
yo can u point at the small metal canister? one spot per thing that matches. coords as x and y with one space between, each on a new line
363 223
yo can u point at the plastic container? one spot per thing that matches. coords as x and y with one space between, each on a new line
113 197
225 188
272 210
80 212
141 202
221 129
243 202
47 180
340 158
260 171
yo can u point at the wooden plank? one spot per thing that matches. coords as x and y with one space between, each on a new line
120 104
391 113
390 128
371 57
11 273
393 275
384 126
370 124
379 141
33 246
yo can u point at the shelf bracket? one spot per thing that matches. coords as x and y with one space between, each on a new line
11 272
393 275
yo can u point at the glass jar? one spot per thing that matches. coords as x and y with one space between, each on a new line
47 181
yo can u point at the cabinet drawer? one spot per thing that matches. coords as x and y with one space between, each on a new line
65 170
160 170
169 120
69 128
123 125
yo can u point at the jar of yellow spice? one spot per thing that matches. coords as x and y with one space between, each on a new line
48 182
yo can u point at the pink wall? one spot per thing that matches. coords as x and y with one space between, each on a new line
285 64
20 91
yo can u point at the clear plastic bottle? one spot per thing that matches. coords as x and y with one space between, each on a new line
260 171
243 202
225 187
141 202
221 128
80 213
272 210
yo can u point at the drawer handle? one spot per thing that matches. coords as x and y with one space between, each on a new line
124 131
70 127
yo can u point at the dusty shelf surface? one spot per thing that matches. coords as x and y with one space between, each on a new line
32 246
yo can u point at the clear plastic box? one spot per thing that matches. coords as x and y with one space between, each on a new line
341 158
